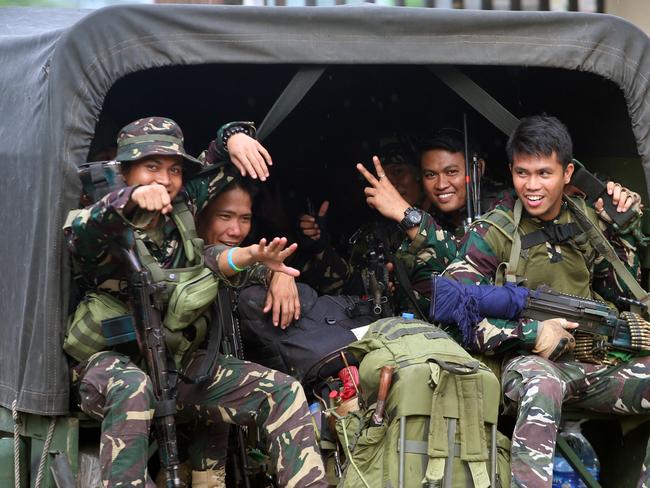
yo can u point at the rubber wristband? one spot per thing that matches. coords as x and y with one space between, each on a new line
231 263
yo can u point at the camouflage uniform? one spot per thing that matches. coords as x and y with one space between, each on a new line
538 386
117 392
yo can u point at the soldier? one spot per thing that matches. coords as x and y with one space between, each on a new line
155 206
539 375
329 273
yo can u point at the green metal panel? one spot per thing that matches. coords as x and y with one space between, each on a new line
33 431
7 462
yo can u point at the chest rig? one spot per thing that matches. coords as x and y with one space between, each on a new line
581 234
187 293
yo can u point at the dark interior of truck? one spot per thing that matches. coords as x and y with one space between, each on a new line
351 111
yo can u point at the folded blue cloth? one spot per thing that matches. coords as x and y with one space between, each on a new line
466 305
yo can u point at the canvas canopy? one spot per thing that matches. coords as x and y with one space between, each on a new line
58 65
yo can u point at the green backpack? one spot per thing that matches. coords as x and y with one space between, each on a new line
439 428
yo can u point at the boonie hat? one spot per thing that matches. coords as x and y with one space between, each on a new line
153 136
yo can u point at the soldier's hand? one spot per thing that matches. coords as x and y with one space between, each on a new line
623 198
381 194
249 156
554 338
282 298
153 198
308 224
273 254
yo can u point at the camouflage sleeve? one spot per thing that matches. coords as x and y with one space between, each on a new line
202 189
477 263
255 274
91 231
433 247
327 275
605 280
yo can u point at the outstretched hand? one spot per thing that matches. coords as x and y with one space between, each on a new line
381 194
249 156
273 254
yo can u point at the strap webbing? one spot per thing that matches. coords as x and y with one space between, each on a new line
515 250
602 245
552 233
297 88
478 98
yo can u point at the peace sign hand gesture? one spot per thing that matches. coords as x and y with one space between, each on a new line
381 194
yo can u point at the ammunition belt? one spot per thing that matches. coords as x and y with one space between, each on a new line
595 348
591 348
639 331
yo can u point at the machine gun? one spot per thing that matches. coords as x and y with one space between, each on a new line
150 332
600 328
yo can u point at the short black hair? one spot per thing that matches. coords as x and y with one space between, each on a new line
245 184
541 135
397 153
448 139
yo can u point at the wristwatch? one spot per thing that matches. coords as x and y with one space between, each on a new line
412 218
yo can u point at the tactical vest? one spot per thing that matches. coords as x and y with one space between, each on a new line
533 259
187 293
441 413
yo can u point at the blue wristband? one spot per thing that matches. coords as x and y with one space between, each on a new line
231 263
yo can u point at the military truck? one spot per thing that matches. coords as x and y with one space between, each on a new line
323 85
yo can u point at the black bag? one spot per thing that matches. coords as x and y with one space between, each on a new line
309 348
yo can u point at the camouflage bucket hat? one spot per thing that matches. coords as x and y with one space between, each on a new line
150 136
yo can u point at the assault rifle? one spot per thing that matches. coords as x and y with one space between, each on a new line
600 328
148 305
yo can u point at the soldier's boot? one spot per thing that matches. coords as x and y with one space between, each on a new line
211 478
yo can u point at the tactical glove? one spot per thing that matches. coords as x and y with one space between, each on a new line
553 340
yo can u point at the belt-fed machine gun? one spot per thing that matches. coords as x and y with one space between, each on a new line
600 331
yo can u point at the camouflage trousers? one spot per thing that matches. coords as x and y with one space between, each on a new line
115 391
540 388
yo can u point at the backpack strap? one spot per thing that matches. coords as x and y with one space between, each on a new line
603 246
446 416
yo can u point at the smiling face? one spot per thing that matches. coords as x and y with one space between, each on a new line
164 170
443 179
227 219
539 182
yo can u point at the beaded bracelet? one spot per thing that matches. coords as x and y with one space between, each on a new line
231 263
231 131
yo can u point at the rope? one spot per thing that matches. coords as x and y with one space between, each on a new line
14 415
354 465
46 450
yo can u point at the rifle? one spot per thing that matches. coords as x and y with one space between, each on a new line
600 331
375 275
232 344
148 305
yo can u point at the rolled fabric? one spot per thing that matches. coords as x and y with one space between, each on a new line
466 305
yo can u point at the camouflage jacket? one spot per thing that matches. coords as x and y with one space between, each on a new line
92 231
571 267
430 252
